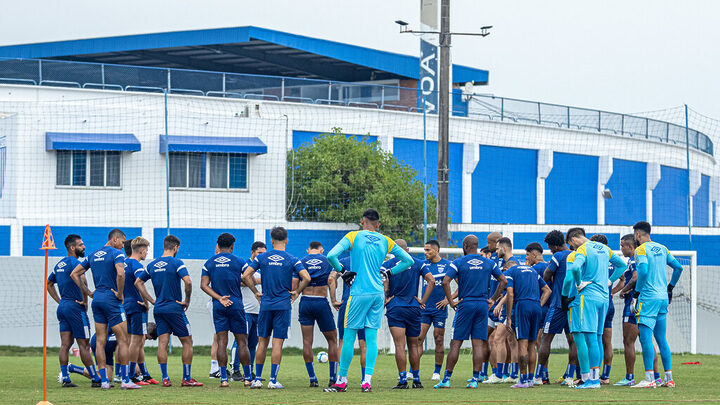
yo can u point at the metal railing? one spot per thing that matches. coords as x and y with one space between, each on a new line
87 75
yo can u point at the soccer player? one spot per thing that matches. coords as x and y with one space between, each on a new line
108 269
221 278
136 310
653 294
534 258
72 310
347 276
472 273
435 312
277 268
169 307
587 270
402 307
368 249
556 320
607 330
314 307
524 309
252 309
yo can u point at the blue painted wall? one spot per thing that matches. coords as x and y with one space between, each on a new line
571 190
306 137
198 243
515 172
5 240
705 245
522 239
701 203
627 185
94 237
299 240
670 197
410 152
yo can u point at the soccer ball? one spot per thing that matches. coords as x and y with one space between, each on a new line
322 357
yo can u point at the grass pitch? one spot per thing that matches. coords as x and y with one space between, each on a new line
21 373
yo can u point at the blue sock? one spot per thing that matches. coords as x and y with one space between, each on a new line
500 370
333 370
448 374
310 370
416 375
538 370
75 369
605 373
93 373
571 370
163 371
124 373
476 375
223 373
274 368
545 373
515 370
484 369
235 358
247 371
258 371
143 369
103 375
629 377
438 368
362 373
403 377
186 371
252 357
495 370
577 373
657 376
64 372
131 369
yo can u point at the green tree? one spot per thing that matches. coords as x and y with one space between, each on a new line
337 177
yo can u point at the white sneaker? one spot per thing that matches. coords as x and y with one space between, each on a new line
409 376
510 380
256 384
117 379
569 382
275 385
493 379
435 377
645 384
537 381
129 386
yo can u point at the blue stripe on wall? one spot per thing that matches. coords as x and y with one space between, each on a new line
705 245
305 138
199 243
94 238
701 203
299 240
627 185
410 152
670 197
571 190
504 186
5 240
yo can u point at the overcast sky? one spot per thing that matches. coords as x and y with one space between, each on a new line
617 55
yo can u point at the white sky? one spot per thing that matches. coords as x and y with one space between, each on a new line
617 55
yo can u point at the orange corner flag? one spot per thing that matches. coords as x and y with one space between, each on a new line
48 241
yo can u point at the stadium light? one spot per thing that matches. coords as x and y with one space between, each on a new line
403 25
607 194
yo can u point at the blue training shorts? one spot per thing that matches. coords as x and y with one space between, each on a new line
527 320
650 310
73 318
364 311
230 318
433 316
609 317
628 316
137 323
275 322
341 324
172 322
316 309
556 321
107 309
405 317
471 320
587 315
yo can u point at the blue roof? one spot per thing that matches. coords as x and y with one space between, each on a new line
82 141
252 49
218 144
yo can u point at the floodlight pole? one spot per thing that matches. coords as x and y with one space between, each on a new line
444 125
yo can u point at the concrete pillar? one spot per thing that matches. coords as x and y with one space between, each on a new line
471 157
259 234
544 167
605 170
16 238
714 199
386 143
653 178
695 183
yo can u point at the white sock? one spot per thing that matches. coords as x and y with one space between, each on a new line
595 373
341 380
649 376
367 379
214 366
668 376
586 376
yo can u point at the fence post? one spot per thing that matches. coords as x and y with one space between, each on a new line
539 116
599 122
667 132
502 109
282 89
622 124
329 90
224 88
102 74
40 71
382 97
568 116
168 86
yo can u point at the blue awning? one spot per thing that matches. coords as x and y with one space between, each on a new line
80 141
218 144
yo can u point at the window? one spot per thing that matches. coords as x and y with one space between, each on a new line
221 171
79 168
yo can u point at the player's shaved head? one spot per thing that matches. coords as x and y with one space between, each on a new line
494 236
470 244
402 243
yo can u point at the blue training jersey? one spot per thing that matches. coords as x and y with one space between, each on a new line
403 287
102 264
627 275
525 282
319 269
473 273
131 296
277 268
558 266
225 272
657 257
165 273
367 253
540 269
69 291
438 272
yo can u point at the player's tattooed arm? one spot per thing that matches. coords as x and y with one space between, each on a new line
304 281
619 286
76 275
332 289
630 285
205 286
140 286
502 283
52 291
546 291
249 281
428 290
188 292
120 279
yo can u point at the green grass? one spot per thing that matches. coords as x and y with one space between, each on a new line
21 372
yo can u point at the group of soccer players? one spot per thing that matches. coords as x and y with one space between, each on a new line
510 311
